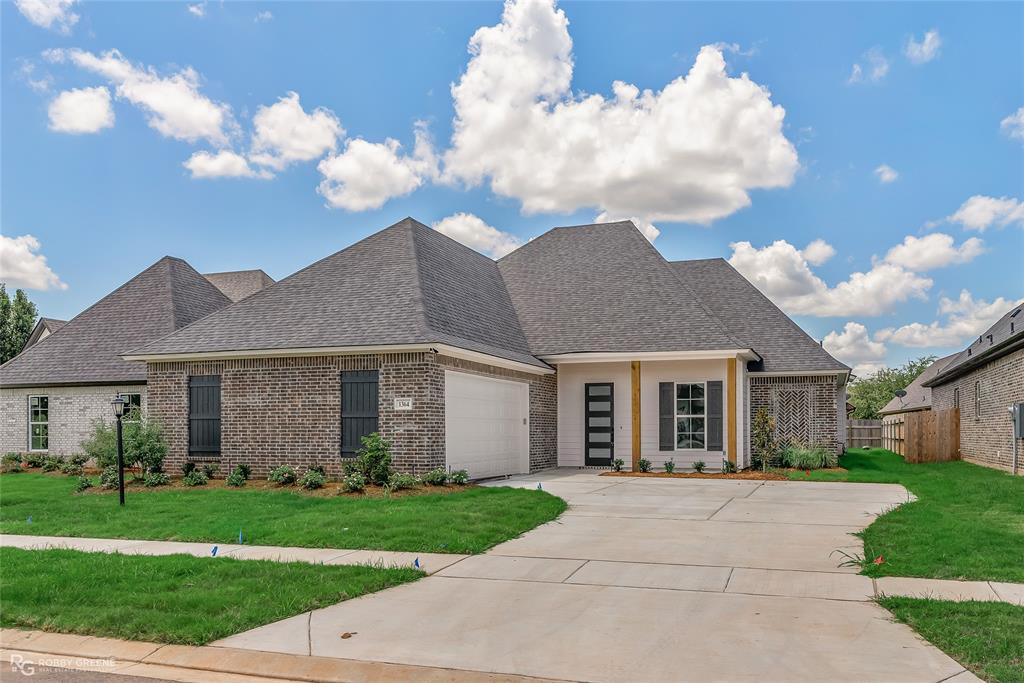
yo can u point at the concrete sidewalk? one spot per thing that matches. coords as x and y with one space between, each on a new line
428 562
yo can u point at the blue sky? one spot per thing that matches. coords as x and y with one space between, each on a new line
926 145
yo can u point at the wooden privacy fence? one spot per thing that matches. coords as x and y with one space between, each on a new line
931 435
892 432
864 433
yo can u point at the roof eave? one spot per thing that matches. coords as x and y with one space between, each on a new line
992 353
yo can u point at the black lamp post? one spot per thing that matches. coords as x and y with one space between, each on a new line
118 404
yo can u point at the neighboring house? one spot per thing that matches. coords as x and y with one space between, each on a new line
918 398
581 347
239 284
43 329
984 381
51 393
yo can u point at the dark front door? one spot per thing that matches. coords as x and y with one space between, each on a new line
358 409
599 425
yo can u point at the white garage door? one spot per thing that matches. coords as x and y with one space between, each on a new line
486 425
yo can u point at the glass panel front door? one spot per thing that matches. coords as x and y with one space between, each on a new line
599 425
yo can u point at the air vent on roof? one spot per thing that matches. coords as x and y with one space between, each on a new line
1011 327
1014 314
990 342
968 350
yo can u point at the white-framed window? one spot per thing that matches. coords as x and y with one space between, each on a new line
132 405
691 416
38 423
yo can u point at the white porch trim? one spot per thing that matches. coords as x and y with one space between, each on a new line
614 357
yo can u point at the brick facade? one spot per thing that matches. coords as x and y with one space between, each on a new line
805 408
288 410
73 410
987 439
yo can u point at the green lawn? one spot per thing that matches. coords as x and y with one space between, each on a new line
170 599
968 521
469 521
987 638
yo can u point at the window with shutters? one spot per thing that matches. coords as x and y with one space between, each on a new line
204 415
359 409
691 412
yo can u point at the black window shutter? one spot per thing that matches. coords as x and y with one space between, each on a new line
359 412
666 416
714 408
204 415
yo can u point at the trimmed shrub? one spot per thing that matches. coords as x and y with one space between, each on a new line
187 468
727 466
143 441
698 466
617 464
354 482
195 478
312 479
153 479
459 477
108 478
11 462
52 463
403 481
34 459
82 484
670 466
71 468
374 459
235 479
436 477
644 465
209 469
243 470
283 475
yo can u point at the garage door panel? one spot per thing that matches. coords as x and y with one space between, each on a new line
486 425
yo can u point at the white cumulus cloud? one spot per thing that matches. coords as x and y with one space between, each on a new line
197 10
855 347
886 173
689 152
873 67
21 264
81 110
1013 125
925 50
223 164
782 272
472 231
818 252
961 319
932 251
981 212
263 16
283 133
51 14
174 105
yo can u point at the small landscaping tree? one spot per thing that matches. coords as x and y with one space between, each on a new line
763 433
374 459
144 444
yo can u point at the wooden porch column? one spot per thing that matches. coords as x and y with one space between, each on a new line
730 416
634 367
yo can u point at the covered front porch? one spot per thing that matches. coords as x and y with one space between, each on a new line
684 407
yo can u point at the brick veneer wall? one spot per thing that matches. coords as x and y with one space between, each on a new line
73 410
804 408
288 410
987 439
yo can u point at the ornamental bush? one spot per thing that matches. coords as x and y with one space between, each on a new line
670 466
312 479
195 478
82 484
35 459
459 477
283 475
644 464
108 478
235 479
698 466
617 464
436 477
142 439
52 463
243 470
374 459
403 481
153 479
806 458
354 482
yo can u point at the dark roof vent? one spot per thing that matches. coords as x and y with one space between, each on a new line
1011 327
990 341
968 350
1014 314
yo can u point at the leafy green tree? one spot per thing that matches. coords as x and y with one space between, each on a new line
870 394
17 319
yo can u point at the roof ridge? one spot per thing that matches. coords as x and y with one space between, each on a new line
421 304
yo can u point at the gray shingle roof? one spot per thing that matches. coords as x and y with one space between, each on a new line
407 284
167 295
605 288
238 284
753 318
1005 335
918 397
43 328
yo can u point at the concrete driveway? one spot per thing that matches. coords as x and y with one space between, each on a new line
646 579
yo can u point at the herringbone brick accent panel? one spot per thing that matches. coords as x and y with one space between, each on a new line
792 416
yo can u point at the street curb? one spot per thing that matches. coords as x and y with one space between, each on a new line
40 645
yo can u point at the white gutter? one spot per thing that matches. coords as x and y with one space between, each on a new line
606 357
445 349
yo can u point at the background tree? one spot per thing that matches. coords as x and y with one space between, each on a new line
870 394
17 319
